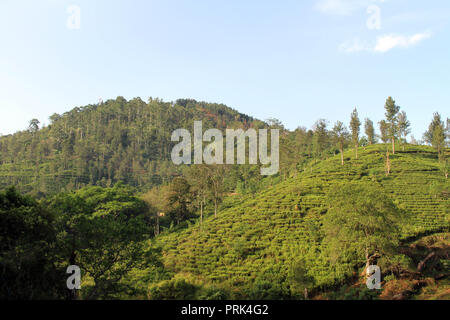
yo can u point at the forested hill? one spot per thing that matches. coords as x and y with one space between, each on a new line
117 140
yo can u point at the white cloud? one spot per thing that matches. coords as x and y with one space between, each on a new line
389 42
384 43
343 7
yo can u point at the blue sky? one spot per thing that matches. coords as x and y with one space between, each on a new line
297 61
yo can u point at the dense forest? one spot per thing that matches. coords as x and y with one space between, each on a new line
97 188
103 144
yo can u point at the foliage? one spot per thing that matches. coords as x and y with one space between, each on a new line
384 131
362 223
102 144
370 131
355 125
257 239
391 120
133 227
27 250
178 199
340 135
101 230
403 125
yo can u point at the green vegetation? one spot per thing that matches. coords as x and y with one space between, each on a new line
370 131
355 125
361 226
260 240
118 140
97 189
391 120
99 229
27 247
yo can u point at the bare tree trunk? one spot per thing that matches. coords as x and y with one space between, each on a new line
393 145
388 164
201 213
356 150
215 207
342 157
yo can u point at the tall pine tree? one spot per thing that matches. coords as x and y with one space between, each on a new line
391 119
403 126
355 125
370 131
340 135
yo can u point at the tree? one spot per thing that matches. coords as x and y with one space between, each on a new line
363 142
178 199
391 119
384 135
403 126
198 177
33 126
355 125
156 202
369 130
301 277
436 121
27 250
289 153
320 136
54 118
102 231
340 135
362 224
439 141
275 124
436 135
216 183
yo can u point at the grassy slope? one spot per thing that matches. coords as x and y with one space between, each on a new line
261 236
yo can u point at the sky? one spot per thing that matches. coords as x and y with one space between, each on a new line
297 61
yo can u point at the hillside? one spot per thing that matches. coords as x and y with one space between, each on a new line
105 169
101 144
253 247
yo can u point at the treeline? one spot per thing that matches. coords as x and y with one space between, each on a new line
302 145
130 142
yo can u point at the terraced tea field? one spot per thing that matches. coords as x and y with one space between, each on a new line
258 239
